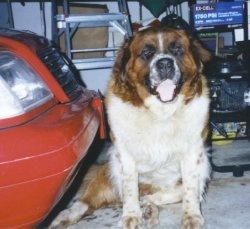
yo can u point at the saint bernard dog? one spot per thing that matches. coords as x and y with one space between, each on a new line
157 102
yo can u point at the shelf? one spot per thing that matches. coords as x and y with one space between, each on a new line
68 24
94 63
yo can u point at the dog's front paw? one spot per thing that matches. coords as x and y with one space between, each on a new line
191 221
131 221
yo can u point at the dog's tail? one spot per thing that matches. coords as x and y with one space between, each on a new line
95 192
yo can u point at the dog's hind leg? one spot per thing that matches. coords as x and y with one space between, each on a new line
165 196
150 202
150 215
95 192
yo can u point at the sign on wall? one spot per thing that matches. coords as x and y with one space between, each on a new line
211 15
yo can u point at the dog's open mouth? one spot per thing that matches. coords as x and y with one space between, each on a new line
166 90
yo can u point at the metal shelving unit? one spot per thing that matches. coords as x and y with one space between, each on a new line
68 23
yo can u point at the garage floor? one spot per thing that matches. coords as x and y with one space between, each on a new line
227 203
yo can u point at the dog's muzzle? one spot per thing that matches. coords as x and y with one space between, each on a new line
165 78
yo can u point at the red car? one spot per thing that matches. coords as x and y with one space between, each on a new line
47 123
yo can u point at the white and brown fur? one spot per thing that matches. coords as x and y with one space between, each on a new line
158 155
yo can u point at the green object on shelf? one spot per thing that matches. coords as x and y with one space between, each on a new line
157 7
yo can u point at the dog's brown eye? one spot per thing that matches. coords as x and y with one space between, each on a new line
147 52
176 48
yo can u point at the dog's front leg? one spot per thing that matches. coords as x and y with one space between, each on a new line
129 192
194 170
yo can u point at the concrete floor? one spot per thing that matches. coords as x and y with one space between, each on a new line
227 204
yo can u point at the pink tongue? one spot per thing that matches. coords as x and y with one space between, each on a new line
166 90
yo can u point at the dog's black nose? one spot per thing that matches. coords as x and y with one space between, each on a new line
165 65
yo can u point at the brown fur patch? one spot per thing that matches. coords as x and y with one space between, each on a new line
99 191
146 189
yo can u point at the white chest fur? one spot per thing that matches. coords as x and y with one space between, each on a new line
158 134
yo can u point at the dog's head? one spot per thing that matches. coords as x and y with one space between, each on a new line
158 61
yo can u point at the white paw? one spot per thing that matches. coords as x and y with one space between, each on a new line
61 220
150 215
192 221
69 216
132 219
131 222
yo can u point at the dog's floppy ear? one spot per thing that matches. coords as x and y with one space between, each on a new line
123 56
200 51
